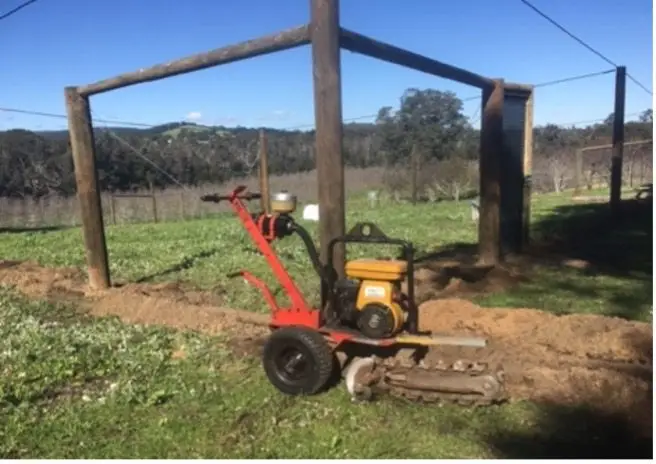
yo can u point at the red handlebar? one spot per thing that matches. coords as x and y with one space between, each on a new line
234 194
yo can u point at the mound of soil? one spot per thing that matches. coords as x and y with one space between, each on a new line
602 362
441 279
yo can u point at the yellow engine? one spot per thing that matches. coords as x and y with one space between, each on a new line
378 312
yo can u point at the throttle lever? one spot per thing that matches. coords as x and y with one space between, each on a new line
232 275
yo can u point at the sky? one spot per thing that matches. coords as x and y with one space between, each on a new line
56 43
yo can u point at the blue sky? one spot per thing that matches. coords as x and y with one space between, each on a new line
54 43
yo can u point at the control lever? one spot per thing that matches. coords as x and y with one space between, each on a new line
218 198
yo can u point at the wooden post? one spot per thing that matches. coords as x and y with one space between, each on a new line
618 140
491 152
528 167
578 171
153 200
414 166
88 192
265 201
324 34
112 207
182 205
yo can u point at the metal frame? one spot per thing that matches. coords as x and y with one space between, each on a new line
326 38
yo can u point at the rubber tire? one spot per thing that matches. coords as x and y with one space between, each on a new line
313 346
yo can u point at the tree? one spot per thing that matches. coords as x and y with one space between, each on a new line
429 125
647 116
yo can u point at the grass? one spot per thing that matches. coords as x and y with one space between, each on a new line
79 387
73 386
203 251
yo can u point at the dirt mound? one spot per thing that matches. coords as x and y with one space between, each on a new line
601 362
141 305
598 361
449 278
35 280
170 304
581 336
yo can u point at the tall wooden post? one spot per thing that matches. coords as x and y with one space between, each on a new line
491 152
88 192
528 167
265 201
618 139
326 68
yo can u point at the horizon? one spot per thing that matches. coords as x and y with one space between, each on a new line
183 124
509 40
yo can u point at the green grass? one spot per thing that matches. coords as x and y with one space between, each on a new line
79 387
73 386
204 251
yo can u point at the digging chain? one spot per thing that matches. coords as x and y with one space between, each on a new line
398 369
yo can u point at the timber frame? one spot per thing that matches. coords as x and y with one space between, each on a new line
505 151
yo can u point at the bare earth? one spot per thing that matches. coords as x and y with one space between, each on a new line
596 361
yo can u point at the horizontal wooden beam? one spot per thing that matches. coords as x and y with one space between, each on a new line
358 43
284 40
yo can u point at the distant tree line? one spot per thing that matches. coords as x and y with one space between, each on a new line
428 141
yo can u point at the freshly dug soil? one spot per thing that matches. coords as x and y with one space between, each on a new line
594 361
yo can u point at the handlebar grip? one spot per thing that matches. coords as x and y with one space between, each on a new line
218 198
213 198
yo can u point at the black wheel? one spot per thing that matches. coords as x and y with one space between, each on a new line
297 361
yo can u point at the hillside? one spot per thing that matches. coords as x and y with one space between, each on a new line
35 164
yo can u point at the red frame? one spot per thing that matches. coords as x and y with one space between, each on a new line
299 313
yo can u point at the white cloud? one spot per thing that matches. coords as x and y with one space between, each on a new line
194 116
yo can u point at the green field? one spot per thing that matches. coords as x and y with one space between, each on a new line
79 387
203 251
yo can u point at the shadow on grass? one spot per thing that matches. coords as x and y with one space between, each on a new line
619 246
605 425
581 259
575 433
605 247
185 264
21 230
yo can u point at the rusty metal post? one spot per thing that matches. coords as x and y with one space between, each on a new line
324 33
88 191
265 201
618 140
491 154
